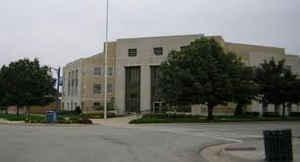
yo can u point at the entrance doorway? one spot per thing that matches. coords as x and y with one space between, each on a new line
133 89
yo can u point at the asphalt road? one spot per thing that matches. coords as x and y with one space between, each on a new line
163 143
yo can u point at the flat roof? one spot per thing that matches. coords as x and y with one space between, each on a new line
163 36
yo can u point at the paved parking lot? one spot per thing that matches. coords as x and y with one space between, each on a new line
160 143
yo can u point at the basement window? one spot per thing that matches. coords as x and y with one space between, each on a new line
132 52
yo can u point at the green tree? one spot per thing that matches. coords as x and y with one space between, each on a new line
4 91
245 89
28 83
277 84
200 73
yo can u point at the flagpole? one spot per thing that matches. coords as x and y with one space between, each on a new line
106 54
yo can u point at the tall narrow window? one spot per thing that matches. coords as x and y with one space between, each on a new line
110 71
69 84
158 51
73 83
97 89
132 52
76 82
97 71
109 88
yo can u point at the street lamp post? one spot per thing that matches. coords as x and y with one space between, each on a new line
105 69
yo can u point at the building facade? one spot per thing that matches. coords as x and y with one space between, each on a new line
135 63
83 82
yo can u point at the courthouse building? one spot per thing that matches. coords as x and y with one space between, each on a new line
133 68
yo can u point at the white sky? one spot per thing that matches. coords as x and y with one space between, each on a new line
60 31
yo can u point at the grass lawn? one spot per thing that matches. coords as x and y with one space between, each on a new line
22 117
164 118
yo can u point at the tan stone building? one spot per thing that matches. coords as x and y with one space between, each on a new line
83 81
134 62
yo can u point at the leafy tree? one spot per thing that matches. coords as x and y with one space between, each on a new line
28 83
200 73
245 89
277 84
4 102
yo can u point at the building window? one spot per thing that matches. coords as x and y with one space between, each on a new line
109 88
69 84
97 71
158 51
76 82
132 52
97 88
110 71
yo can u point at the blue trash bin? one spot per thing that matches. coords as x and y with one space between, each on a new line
51 117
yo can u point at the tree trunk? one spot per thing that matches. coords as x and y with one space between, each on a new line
210 109
283 110
277 109
6 110
239 109
289 110
18 111
265 108
28 112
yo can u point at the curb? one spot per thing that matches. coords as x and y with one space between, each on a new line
234 158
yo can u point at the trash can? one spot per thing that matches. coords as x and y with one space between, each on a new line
278 145
51 117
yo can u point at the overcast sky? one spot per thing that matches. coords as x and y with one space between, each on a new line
60 31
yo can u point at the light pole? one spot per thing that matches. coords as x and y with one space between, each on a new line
105 69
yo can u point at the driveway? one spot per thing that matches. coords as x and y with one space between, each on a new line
160 143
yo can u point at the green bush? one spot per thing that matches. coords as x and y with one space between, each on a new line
170 115
77 110
97 115
85 121
68 113
271 114
253 114
294 114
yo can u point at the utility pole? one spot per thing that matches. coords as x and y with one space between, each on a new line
106 54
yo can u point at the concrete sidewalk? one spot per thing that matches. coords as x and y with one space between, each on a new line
251 150
257 155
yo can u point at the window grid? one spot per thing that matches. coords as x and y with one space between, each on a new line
132 52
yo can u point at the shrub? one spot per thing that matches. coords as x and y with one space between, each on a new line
170 116
97 115
66 113
253 114
248 115
294 114
78 110
271 114
85 121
